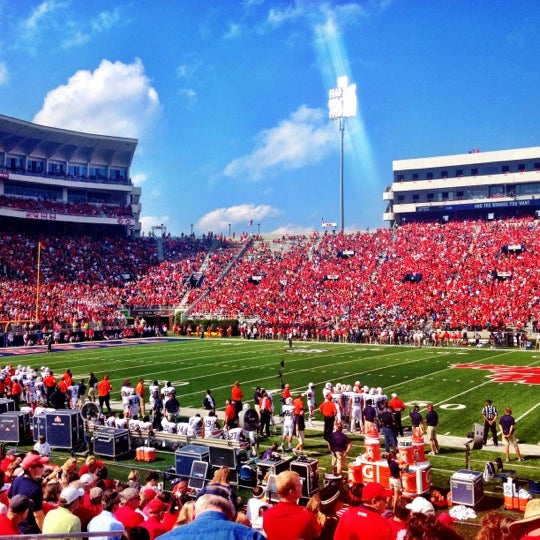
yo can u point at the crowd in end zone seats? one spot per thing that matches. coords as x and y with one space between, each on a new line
468 274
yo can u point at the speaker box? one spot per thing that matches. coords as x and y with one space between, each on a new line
308 469
185 456
64 428
39 426
112 442
6 405
198 474
222 455
15 427
267 467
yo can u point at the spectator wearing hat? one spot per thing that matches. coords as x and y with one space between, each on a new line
287 520
254 506
62 519
154 524
527 528
146 495
29 484
12 456
325 505
87 508
426 525
105 520
127 511
18 509
420 505
365 520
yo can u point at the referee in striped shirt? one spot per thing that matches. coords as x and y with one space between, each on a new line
490 415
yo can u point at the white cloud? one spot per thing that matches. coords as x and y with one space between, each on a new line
219 219
190 94
116 99
306 137
234 31
4 74
294 229
105 20
147 222
139 178
41 12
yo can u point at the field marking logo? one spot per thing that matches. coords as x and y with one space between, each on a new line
305 350
510 374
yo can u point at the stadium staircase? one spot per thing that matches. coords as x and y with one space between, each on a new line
204 266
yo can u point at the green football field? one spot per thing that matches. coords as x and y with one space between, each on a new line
456 380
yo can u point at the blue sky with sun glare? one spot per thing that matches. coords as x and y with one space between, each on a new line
228 98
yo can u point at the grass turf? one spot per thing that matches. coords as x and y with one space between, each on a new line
418 375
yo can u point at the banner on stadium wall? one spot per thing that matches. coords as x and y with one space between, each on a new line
484 205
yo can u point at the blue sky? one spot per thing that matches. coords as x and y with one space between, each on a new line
229 98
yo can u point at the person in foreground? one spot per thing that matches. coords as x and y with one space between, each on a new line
365 520
287 520
213 521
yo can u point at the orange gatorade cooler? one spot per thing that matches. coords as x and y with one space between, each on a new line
405 449
373 446
355 473
408 482
419 452
145 453
149 454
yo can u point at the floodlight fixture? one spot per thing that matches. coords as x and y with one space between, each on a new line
342 104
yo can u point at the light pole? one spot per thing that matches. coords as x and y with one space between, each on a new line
341 105
229 230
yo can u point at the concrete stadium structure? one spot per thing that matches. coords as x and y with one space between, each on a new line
66 181
478 185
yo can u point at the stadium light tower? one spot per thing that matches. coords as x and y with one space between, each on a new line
341 105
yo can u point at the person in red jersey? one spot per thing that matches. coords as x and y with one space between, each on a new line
365 520
19 506
286 520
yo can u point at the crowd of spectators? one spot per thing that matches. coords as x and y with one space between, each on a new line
66 208
364 286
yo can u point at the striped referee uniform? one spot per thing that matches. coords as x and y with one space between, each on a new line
490 415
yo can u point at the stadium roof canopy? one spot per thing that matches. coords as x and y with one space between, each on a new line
28 139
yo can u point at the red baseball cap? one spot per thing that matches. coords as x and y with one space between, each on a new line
374 490
33 460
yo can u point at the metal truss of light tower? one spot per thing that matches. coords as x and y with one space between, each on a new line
342 104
